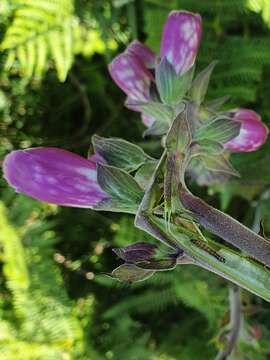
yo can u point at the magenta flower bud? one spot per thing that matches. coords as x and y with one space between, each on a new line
131 75
253 132
142 52
55 176
181 39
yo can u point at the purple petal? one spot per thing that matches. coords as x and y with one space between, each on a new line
142 52
131 76
181 39
253 132
54 175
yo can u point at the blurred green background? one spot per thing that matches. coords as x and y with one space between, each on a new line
55 90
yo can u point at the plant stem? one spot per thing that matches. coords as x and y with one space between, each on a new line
227 228
235 323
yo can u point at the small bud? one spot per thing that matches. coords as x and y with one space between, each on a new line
253 132
181 40
136 252
54 175
131 75
142 52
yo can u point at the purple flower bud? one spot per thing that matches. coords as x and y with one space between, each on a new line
54 175
136 252
181 39
142 52
253 132
131 75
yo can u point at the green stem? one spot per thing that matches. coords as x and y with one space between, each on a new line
227 228
240 270
235 323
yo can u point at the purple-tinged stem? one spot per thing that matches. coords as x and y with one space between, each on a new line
227 228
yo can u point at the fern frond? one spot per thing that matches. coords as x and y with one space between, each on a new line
45 317
41 30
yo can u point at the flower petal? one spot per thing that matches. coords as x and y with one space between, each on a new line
142 52
253 132
54 175
181 39
131 76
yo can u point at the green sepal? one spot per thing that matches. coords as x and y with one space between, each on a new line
158 128
221 129
124 192
207 147
120 153
172 87
179 135
200 84
216 104
160 112
219 164
144 174
130 273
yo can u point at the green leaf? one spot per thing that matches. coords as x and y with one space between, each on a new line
221 130
160 112
200 84
215 105
125 193
130 273
179 135
157 129
41 30
219 164
172 87
144 174
120 153
207 147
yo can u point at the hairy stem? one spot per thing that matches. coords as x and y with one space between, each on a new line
235 323
227 228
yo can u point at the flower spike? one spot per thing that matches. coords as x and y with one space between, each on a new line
55 176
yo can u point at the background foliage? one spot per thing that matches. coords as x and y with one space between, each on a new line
55 91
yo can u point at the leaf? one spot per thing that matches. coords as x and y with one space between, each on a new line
130 273
221 130
215 104
219 164
207 147
41 30
172 87
160 112
179 135
120 153
144 174
158 128
124 191
136 252
200 84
